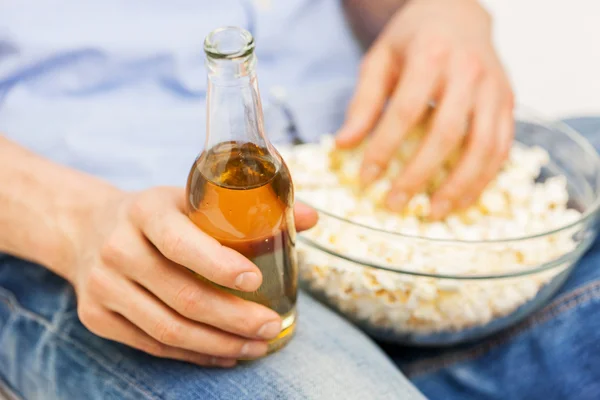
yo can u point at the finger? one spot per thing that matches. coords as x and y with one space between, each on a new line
446 133
408 104
197 299
305 216
477 154
504 141
178 239
169 328
377 77
114 327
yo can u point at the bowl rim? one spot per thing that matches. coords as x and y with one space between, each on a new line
586 215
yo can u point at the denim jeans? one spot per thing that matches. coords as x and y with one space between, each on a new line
46 354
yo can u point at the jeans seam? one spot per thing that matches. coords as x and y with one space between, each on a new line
9 298
569 301
148 392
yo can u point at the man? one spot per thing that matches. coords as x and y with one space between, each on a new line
102 107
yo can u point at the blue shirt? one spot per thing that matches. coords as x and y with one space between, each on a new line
117 88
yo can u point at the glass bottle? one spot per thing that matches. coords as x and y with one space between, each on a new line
239 190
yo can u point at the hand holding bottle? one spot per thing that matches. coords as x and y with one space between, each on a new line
436 50
129 254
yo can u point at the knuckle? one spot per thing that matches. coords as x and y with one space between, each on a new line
139 210
452 190
375 155
187 300
231 348
407 110
409 182
144 205
447 137
153 348
472 67
400 186
113 251
90 316
171 243
98 282
222 268
248 322
436 50
168 331
224 260
463 182
484 146
225 345
250 326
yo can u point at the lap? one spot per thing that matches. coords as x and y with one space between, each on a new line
45 352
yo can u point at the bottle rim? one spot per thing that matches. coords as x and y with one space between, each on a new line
229 42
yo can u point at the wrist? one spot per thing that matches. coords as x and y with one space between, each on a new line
78 216
367 18
42 207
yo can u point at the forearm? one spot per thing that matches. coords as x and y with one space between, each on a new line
368 17
38 202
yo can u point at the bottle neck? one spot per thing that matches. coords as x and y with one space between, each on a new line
234 109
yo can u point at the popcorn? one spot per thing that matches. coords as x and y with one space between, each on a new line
555 189
436 230
377 191
493 201
516 204
419 206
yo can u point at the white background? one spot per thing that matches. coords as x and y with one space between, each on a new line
551 49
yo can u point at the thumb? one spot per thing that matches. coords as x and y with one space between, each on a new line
305 217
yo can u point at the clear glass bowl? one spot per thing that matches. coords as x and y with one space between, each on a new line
397 304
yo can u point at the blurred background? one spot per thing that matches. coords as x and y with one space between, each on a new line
551 49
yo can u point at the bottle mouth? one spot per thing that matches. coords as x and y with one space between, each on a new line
229 42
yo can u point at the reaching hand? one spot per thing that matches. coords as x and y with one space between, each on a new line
441 51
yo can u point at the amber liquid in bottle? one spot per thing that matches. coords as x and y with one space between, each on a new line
242 196
239 189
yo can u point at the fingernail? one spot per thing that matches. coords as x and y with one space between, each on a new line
440 208
397 201
253 350
369 173
247 281
269 330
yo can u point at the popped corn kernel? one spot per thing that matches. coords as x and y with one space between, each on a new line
513 205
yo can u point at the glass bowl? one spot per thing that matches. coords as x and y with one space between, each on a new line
400 304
